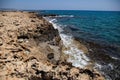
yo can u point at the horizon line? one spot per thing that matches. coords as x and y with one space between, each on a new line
57 9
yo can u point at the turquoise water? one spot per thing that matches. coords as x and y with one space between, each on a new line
102 29
97 26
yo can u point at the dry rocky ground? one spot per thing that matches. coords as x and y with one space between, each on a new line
30 49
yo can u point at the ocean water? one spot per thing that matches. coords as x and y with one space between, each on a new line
98 30
101 26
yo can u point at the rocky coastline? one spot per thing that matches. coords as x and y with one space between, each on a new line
31 49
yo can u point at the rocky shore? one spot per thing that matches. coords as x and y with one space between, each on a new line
31 49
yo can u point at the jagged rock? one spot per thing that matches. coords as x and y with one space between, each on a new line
30 49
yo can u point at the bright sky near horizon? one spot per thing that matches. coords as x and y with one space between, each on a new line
111 5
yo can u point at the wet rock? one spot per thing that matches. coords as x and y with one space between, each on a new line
86 71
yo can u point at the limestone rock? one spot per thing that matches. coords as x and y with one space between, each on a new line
30 49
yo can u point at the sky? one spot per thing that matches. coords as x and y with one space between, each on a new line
105 5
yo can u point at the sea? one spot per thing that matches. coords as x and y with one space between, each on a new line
99 31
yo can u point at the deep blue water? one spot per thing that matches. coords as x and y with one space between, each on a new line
99 27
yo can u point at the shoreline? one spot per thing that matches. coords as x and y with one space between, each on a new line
73 49
30 49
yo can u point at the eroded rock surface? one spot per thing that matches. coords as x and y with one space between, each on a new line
30 49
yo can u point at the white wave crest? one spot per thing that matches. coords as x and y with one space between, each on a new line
76 56
66 16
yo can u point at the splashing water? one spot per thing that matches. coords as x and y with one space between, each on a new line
76 56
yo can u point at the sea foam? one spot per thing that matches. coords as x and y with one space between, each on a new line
76 56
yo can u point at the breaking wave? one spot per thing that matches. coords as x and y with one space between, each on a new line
76 56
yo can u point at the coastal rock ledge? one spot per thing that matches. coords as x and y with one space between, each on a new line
30 49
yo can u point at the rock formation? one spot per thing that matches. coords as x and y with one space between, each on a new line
30 49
